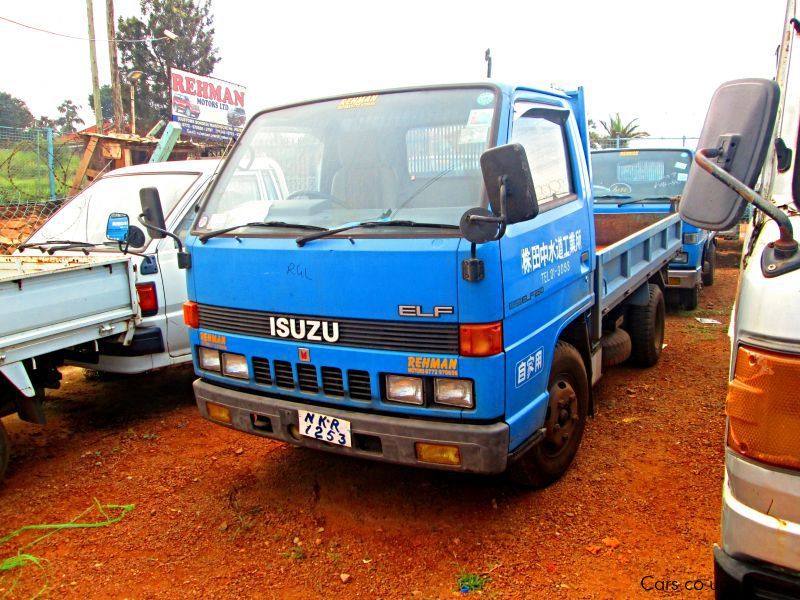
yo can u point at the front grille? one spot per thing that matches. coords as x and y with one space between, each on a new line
332 382
307 378
358 385
283 374
261 371
432 338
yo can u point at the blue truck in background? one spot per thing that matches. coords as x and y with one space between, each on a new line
644 180
435 290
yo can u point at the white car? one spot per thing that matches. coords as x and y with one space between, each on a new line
82 225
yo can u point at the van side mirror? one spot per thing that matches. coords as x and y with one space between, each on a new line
735 138
509 185
152 216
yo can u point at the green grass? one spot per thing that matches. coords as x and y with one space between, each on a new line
471 582
24 174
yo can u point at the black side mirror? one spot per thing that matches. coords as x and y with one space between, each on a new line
152 215
736 136
509 185
152 218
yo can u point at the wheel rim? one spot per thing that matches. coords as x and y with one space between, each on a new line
562 416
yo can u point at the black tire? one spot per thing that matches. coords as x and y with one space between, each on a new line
616 347
646 326
5 451
690 298
567 411
709 265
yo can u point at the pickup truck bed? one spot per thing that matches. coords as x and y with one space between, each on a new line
51 303
630 248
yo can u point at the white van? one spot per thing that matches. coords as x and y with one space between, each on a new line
81 225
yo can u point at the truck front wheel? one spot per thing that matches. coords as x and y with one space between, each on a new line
4 451
709 264
646 326
565 421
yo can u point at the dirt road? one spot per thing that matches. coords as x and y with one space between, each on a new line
224 515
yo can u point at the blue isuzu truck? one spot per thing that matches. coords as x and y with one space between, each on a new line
434 290
648 180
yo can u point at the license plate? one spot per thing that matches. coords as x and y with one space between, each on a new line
325 428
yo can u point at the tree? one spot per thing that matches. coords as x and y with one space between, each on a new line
193 51
620 133
69 118
45 121
106 103
14 112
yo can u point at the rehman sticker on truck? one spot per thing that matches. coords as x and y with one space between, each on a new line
214 340
426 365
545 254
529 367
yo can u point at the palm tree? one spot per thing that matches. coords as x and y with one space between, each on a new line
622 133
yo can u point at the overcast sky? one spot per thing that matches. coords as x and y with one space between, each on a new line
658 61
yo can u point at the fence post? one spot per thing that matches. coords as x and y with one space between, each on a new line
50 161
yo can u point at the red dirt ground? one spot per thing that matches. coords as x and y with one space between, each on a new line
225 515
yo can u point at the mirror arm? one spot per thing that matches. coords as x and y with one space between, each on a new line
503 211
786 243
184 258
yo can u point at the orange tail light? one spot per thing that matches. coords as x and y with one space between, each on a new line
763 407
191 316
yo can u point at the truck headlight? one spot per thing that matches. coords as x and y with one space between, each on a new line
691 238
454 392
681 258
208 359
407 390
235 365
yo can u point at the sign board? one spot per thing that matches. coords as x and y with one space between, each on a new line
207 107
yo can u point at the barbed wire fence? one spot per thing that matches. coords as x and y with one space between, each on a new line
36 171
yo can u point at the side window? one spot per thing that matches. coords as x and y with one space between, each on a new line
542 135
186 223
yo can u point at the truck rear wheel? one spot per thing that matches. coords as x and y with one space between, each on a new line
4 451
616 347
565 421
646 326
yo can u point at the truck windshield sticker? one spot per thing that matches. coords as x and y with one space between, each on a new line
477 126
485 99
358 102
529 367
681 165
557 249
426 365
629 153
682 176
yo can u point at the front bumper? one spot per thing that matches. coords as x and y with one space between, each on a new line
684 278
734 579
483 448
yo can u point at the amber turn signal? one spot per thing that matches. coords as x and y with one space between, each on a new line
218 412
191 317
438 454
763 407
485 339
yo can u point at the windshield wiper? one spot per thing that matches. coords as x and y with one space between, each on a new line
613 197
207 236
40 245
635 200
301 241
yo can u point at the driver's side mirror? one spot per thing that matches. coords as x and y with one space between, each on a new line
152 215
509 185
735 137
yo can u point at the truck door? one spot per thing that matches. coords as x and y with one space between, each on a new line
546 260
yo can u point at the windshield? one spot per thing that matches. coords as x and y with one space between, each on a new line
639 174
84 217
402 155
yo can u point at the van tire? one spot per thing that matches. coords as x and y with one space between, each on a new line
646 326
5 451
616 347
568 407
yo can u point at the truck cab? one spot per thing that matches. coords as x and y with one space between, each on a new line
427 292
651 179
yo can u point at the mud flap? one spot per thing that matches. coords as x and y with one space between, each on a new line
27 400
